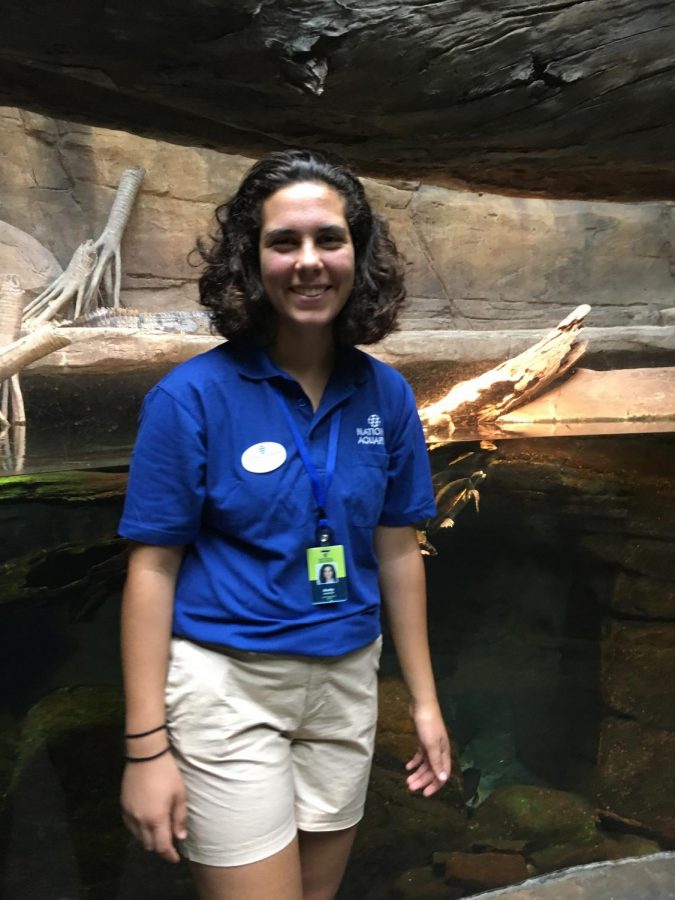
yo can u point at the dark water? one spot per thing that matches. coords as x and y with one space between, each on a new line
552 623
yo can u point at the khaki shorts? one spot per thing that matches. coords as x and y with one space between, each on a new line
268 745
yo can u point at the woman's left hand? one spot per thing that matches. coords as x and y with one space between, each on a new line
430 766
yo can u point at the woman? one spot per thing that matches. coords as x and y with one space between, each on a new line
327 574
282 450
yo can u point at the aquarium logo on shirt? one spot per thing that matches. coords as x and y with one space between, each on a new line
373 433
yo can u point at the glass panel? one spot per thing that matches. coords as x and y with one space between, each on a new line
552 611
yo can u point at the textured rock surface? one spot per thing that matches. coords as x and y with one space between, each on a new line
566 529
643 597
63 788
521 261
398 831
635 774
539 816
638 670
23 256
476 871
572 98
475 261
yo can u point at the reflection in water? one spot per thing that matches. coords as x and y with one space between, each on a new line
75 421
13 449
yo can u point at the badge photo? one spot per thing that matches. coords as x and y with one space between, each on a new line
327 574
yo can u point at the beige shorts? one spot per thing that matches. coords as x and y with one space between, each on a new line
268 745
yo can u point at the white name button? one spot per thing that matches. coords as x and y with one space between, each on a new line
264 457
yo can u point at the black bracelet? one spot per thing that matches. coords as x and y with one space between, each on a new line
136 759
140 734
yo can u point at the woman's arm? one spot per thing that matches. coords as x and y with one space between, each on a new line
153 797
403 589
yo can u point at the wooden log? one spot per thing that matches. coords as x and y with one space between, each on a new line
12 300
511 384
21 353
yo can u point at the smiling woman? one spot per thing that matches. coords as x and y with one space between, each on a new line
268 534
231 286
306 256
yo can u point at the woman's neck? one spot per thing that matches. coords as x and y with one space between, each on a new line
308 357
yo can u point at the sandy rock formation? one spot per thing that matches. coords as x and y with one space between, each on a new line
22 255
476 262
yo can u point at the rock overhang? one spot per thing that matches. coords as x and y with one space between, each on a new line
569 99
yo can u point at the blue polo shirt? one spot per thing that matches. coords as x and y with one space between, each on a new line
243 581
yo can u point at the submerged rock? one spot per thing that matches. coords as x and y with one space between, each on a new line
399 831
422 884
539 816
563 856
69 758
636 777
477 871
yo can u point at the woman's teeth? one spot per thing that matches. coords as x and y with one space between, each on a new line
310 292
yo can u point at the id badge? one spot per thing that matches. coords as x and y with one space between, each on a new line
327 574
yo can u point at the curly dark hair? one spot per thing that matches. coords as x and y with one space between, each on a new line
231 287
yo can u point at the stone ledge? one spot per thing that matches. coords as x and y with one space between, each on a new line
116 350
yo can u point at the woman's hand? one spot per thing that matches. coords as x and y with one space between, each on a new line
154 807
430 766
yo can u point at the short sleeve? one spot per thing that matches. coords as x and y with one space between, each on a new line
409 495
166 488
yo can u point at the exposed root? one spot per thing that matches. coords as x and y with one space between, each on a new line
93 277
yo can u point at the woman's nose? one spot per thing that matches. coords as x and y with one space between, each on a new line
309 256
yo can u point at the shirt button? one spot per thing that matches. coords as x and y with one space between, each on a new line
302 403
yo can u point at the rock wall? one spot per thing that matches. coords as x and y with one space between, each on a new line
567 99
564 591
475 260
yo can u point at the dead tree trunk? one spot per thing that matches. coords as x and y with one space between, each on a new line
12 410
513 383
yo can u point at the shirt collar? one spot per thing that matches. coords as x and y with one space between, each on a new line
254 363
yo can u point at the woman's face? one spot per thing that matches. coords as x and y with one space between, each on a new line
306 254
327 573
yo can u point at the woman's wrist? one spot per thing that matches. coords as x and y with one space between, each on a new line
135 758
130 736
145 741
425 705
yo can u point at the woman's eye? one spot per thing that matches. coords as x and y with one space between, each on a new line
331 242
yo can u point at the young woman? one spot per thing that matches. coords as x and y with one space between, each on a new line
251 689
327 574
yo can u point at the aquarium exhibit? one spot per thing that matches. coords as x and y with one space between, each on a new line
523 157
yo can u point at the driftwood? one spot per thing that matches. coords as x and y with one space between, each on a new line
484 399
12 410
32 346
480 401
93 275
71 284
94 265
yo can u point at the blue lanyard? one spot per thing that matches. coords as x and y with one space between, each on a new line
319 488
